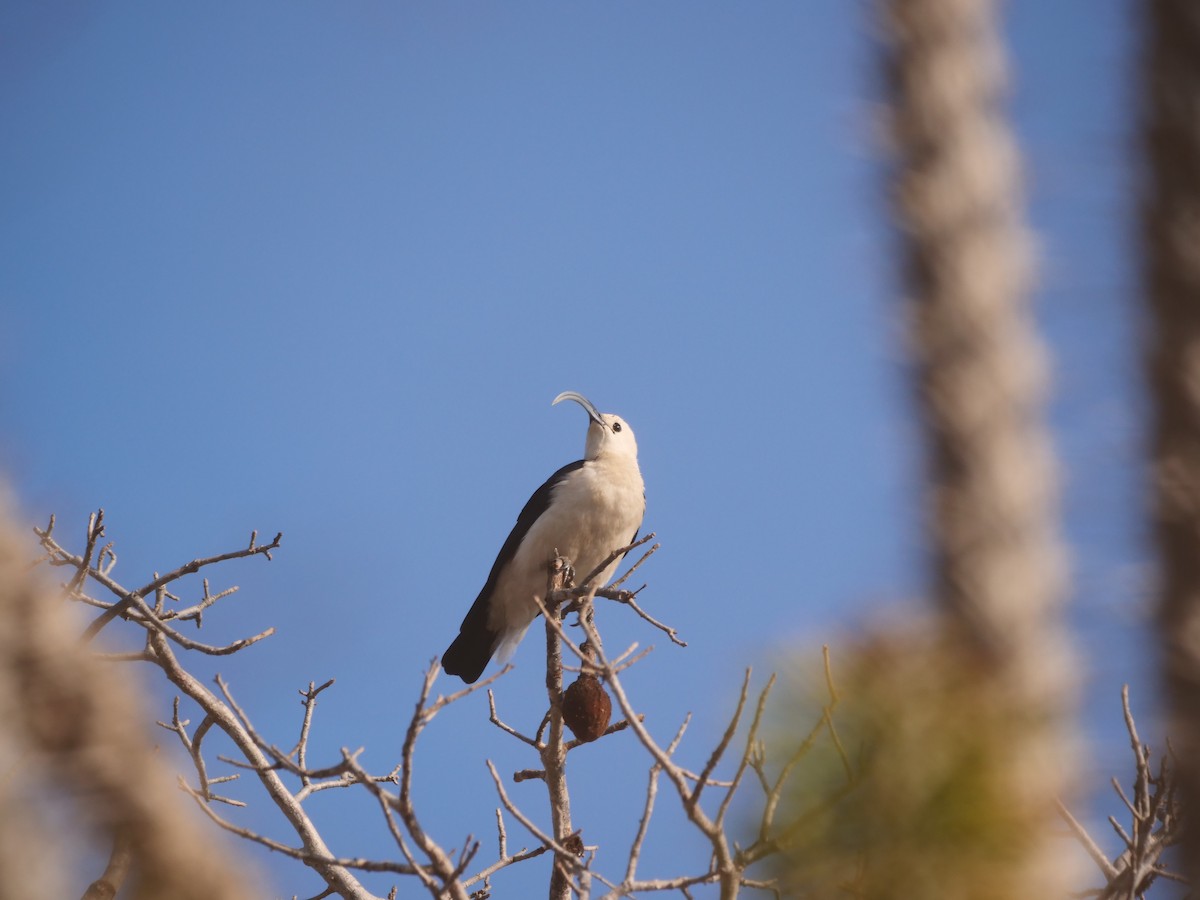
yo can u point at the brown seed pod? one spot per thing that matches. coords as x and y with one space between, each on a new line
587 708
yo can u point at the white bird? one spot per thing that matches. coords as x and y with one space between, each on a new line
584 511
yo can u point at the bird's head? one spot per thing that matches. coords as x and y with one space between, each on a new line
607 435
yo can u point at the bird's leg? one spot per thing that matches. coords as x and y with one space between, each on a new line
562 574
562 567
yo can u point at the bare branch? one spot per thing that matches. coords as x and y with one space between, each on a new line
120 861
152 608
635 851
300 751
1101 860
503 860
545 839
131 597
508 729
630 601
613 557
365 865
315 853
719 751
751 744
553 753
637 565
95 531
195 612
612 729
1154 823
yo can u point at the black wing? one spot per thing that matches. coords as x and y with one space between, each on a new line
468 655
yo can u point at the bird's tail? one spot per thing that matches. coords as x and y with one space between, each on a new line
468 655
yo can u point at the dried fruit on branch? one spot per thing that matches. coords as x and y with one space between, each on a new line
587 708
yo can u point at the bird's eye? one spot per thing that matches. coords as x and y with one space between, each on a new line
616 427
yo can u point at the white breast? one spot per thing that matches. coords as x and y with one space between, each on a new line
595 511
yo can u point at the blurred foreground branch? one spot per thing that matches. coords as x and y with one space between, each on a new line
980 370
74 728
1171 281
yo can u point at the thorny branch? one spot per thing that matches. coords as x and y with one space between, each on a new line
1155 823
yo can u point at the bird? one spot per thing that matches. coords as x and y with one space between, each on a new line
584 511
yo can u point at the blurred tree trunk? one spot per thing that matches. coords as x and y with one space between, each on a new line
979 365
980 373
1171 234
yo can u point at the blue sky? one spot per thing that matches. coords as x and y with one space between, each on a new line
321 269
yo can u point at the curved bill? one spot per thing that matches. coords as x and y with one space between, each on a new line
582 401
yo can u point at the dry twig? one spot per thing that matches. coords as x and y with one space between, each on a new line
1155 823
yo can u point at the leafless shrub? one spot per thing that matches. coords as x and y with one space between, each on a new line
289 778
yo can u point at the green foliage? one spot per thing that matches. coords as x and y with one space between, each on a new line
918 793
